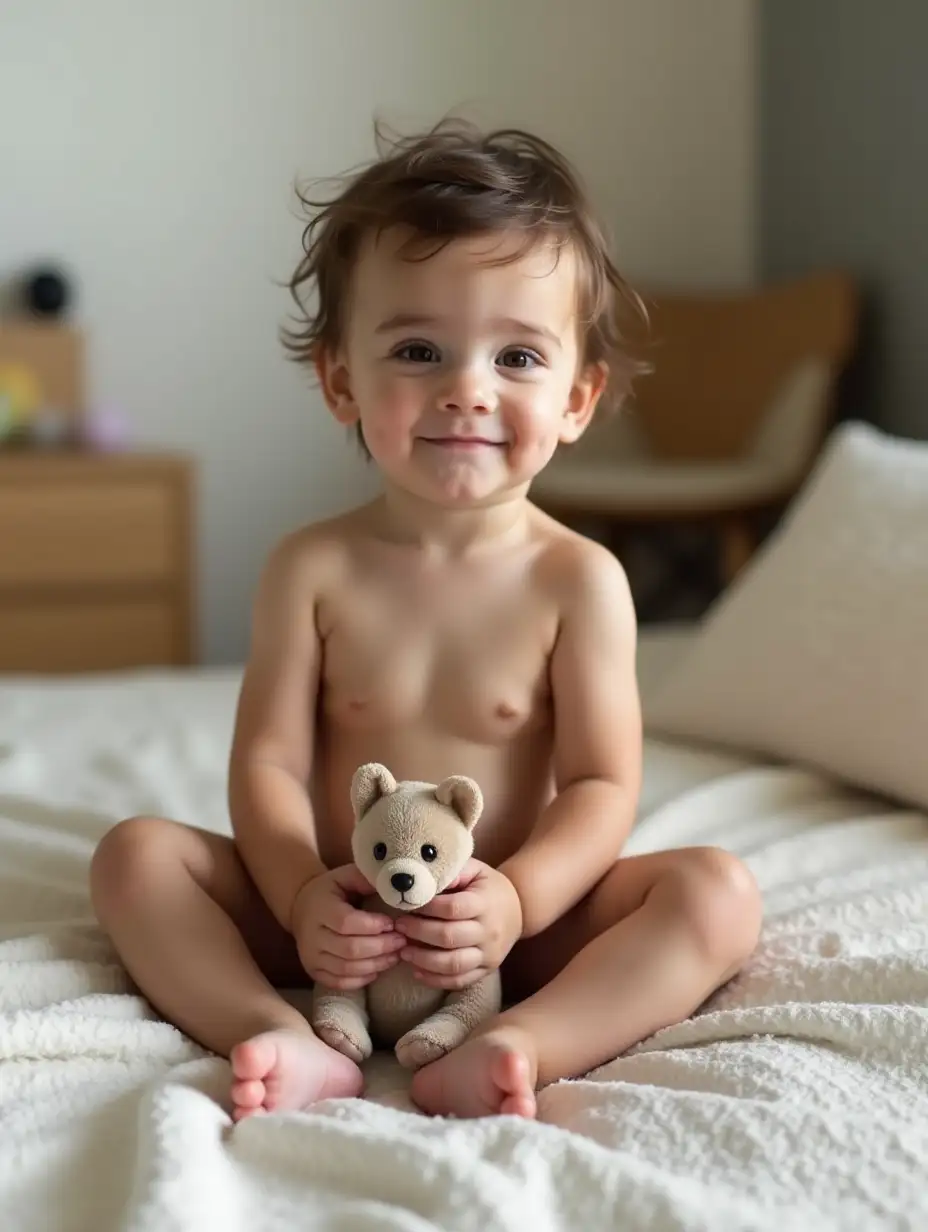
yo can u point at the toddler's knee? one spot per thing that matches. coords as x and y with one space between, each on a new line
128 852
722 903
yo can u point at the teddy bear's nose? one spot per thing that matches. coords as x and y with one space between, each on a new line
402 882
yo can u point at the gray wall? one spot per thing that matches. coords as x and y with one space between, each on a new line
843 153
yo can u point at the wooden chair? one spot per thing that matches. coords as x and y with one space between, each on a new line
728 422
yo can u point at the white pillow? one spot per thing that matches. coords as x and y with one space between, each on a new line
818 653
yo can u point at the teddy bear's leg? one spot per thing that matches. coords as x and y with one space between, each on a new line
340 1018
450 1025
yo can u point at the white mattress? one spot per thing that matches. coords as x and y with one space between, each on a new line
797 1098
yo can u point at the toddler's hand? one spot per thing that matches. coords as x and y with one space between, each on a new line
472 926
338 944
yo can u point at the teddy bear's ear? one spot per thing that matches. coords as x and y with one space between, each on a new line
368 784
463 795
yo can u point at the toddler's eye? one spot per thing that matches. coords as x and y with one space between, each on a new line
417 353
429 853
380 851
519 358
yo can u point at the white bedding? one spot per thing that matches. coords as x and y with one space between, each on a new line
798 1098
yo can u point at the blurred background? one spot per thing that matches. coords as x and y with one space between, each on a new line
148 155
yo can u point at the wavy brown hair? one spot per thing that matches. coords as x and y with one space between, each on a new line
450 183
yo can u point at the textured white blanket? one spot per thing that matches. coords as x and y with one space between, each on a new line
798 1098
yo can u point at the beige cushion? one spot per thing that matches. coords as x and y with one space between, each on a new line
818 653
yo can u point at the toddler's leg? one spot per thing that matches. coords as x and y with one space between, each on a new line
652 941
196 936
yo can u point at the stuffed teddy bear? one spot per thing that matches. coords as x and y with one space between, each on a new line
410 841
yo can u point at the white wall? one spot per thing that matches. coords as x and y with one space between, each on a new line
153 148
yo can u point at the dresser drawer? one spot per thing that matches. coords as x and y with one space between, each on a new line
71 533
96 560
105 635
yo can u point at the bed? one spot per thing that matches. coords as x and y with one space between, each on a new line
797 1097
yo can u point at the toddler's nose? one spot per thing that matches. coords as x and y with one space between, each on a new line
466 392
402 882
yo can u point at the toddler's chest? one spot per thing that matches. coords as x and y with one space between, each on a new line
475 670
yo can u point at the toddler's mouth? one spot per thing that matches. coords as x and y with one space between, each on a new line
464 442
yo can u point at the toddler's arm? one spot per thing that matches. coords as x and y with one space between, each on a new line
598 742
272 818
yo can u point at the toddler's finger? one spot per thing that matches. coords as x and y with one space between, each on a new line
349 921
462 905
470 872
355 947
445 934
442 962
450 983
342 983
358 968
350 879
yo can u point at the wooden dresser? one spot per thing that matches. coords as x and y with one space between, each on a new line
96 561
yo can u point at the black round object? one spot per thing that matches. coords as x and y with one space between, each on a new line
47 292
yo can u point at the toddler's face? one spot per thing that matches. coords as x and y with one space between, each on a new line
463 370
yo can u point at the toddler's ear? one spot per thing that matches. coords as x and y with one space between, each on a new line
335 383
463 795
581 405
368 784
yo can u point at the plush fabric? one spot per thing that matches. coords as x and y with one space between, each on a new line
796 1098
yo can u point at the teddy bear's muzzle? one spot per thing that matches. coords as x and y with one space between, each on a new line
406 884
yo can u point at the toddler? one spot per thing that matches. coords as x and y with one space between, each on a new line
461 311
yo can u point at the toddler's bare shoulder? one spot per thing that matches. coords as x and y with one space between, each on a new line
313 557
576 569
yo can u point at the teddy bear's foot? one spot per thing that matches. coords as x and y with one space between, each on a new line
354 1049
450 1025
424 1044
413 1053
340 1020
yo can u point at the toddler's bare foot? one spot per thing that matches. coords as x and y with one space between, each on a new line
283 1070
489 1074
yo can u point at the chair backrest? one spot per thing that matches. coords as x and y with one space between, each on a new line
719 360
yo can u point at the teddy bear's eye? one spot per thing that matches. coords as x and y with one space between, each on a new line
380 851
429 853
